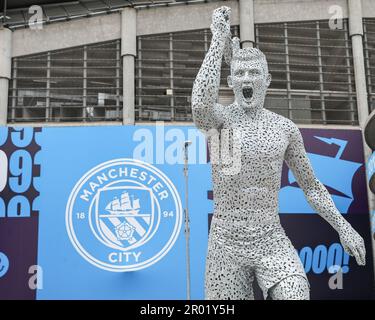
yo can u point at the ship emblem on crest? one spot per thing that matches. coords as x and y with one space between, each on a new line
120 219
128 209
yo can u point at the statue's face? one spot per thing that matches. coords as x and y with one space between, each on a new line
249 81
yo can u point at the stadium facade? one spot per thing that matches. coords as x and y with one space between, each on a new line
96 63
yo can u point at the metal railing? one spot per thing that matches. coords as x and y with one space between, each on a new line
312 71
369 54
166 67
311 67
76 84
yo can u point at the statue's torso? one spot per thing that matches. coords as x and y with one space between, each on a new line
251 193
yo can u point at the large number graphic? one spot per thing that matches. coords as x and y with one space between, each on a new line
19 173
18 168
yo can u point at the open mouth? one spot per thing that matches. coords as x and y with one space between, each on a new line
247 93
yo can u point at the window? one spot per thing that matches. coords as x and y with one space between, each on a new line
311 67
369 53
166 67
75 84
312 72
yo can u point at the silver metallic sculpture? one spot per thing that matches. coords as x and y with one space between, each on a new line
246 238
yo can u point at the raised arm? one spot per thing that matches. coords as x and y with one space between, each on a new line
207 114
319 198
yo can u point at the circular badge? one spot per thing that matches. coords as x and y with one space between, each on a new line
4 264
123 215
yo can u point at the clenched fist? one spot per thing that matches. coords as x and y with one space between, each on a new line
221 22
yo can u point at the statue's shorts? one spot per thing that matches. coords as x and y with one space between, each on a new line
239 252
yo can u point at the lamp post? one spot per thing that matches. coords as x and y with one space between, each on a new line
187 221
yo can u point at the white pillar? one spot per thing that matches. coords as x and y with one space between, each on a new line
246 8
5 71
356 34
128 54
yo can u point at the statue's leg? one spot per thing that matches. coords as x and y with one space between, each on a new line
294 287
225 279
279 268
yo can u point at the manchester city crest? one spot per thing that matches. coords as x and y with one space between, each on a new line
123 215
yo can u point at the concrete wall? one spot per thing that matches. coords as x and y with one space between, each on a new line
267 11
368 8
78 32
67 34
181 18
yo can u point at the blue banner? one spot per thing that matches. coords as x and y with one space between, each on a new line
98 212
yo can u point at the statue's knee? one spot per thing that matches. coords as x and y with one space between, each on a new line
291 288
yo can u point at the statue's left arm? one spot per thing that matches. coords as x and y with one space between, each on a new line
318 196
